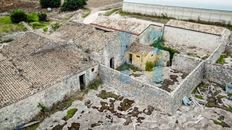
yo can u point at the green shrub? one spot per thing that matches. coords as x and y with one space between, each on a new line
70 113
71 5
55 26
18 16
149 66
32 17
45 29
50 3
42 17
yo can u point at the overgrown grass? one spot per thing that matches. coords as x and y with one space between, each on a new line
127 67
70 113
86 13
112 11
32 127
220 121
95 84
199 97
221 59
105 95
7 26
38 25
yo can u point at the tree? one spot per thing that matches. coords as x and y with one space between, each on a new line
50 3
18 16
71 5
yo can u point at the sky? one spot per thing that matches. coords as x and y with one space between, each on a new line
206 4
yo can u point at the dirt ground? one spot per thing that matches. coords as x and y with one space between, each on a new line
28 5
33 5
99 3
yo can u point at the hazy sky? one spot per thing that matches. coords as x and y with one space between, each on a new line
208 4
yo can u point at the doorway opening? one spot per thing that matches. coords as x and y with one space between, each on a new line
82 82
130 58
112 63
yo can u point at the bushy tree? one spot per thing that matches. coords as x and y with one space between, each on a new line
18 16
71 5
50 3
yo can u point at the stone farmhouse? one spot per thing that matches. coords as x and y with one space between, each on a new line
37 69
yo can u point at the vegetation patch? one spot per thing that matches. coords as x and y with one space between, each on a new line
32 17
50 3
149 66
221 59
71 5
199 97
105 95
125 105
70 113
55 26
32 127
128 67
202 87
160 45
86 13
18 16
161 19
38 25
7 26
95 84
112 11
220 121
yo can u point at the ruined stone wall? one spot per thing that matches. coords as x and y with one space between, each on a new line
187 85
179 12
151 34
24 110
178 36
223 41
130 87
185 63
218 73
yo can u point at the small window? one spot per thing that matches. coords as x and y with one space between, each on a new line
151 54
137 56
126 46
92 69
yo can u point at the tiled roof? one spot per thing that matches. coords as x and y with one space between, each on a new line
197 27
34 63
86 36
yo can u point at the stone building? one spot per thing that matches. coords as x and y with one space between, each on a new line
139 55
204 10
33 70
108 48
